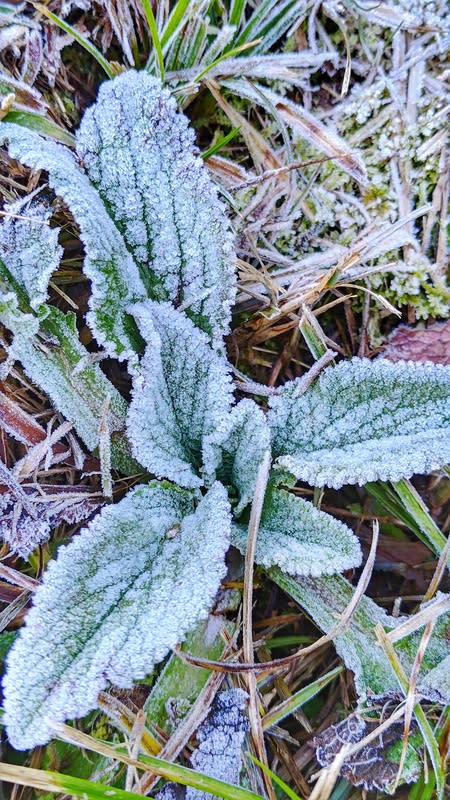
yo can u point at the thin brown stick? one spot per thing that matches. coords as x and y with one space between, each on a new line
247 607
274 173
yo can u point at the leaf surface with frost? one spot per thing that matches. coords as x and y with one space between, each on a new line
326 598
234 451
115 279
376 764
364 421
221 740
58 363
299 538
181 392
117 598
29 247
140 154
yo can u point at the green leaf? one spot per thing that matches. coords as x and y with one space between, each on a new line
364 421
115 279
233 452
117 598
29 247
40 124
299 538
181 393
325 600
54 359
140 154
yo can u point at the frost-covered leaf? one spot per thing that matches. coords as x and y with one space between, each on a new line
29 247
325 599
180 394
435 686
297 537
376 765
234 451
221 740
140 154
113 603
115 280
364 421
56 361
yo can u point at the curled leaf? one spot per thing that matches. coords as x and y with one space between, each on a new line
181 393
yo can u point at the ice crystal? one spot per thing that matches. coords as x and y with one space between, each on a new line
29 247
364 421
139 152
180 394
299 538
235 449
112 604
115 279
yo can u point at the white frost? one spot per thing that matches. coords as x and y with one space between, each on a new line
364 421
113 603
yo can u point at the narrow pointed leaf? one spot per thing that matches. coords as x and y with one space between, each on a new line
140 154
327 597
234 451
180 395
364 421
115 279
299 538
125 591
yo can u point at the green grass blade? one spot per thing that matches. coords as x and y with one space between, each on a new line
257 19
174 21
153 28
278 781
237 12
220 143
44 780
299 699
42 125
422 721
165 769
414 505
228 54
85 43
